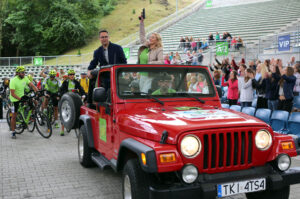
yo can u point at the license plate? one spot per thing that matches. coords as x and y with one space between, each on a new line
246 186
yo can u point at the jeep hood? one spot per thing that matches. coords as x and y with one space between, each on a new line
149 123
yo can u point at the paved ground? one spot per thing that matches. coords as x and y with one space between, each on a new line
34 167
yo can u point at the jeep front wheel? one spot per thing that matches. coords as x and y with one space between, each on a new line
134 181
271 194
84 151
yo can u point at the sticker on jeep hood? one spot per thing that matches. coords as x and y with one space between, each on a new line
206 114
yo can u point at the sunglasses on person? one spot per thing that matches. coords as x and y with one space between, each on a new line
71 74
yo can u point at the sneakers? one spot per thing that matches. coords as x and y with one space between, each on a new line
13 135
56 125
62 133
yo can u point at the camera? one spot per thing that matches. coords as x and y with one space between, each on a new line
143 14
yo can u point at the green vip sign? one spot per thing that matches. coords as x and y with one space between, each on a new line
126 52
38 61
209 3
222 48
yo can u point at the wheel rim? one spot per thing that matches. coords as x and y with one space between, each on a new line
127 188
80 146
66 111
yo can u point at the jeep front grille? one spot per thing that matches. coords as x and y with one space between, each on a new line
227 149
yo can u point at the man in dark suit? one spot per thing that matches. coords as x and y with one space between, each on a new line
108 53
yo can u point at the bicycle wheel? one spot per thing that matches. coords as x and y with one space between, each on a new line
19 124
50 114
31 124
8 116
43 125
76 132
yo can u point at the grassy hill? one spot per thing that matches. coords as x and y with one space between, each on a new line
123 21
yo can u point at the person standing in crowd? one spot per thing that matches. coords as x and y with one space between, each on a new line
17 86
68 86
272 87
107 53
176 59
84 82
217 36
232 83
246 92
297 75
150 52
259 84
286 86
292 62
52 85
182 41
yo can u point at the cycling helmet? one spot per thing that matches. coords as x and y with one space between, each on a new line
20 69
30 78
71 72
52 73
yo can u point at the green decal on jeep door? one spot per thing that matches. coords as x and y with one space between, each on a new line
102 127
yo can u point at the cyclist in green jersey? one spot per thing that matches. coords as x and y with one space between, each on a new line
17 87
71 85
52 85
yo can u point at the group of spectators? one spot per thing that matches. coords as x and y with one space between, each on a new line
191 44
274 84
194 58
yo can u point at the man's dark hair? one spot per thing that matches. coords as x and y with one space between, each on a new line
103 31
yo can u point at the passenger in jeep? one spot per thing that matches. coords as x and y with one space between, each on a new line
164 81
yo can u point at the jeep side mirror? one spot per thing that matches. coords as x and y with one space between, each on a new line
99 94
219 89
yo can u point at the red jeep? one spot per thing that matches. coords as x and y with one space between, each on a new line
164 128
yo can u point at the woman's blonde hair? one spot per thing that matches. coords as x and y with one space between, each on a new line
159 40
263 70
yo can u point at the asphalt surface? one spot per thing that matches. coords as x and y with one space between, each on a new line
35 167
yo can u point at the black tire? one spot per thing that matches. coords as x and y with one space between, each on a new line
31 124
69 110
43 125
283 193
137 179
84 151
19 122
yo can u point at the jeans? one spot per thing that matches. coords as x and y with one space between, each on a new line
272 104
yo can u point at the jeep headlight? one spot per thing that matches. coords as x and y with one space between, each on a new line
190 146
263 140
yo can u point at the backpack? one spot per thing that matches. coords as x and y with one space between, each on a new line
200 58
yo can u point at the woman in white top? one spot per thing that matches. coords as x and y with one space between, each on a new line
297 75
246 95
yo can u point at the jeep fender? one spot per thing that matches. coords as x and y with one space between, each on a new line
86 120
129 146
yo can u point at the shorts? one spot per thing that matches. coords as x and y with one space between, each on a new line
15 107
54 99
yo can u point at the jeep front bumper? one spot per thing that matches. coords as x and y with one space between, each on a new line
206 185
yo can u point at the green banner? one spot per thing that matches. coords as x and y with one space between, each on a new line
102 129
126 52
221 48
209 3
38 61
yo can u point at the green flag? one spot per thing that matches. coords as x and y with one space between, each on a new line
126 52
209 3
38 61
221 48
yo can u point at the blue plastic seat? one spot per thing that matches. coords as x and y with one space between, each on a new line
236 108
279 120
254 102
225 105
297 102
264 114
249 110
294 123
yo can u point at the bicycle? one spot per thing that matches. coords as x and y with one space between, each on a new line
28 116
50 110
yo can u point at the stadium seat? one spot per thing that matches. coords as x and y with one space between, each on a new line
279 120
297 102
263 114
235 107
225 105
249 110
254 102
294 123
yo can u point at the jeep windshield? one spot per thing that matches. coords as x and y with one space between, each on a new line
160 82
